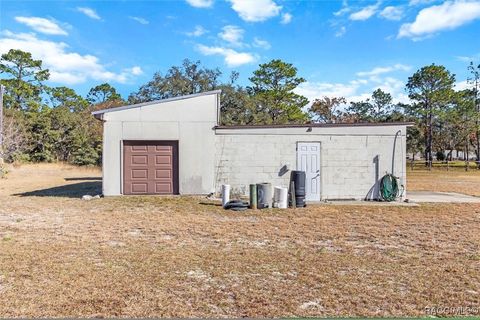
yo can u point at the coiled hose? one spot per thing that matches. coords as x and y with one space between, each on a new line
389 190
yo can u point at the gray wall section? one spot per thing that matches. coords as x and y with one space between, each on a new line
348 164
190 121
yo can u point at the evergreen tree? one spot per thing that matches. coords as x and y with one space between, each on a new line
431 89
23 82
378 108
273 86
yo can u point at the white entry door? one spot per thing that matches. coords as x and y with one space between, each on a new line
308 160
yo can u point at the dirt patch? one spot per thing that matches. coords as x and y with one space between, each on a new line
177 257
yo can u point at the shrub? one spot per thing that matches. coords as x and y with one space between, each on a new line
440 156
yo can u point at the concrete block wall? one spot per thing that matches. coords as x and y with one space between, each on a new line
348 169
242 160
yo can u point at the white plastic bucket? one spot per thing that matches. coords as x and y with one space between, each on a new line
280 197
225 194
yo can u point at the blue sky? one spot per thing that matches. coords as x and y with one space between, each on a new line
342 48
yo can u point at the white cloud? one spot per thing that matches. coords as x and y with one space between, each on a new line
392 13
359 81
259 43
66 77
340 32
286 18
360 88
354 90
140 20
136 71
381 70
232 58
256 10
446 16
89 12
345 9
464 58
419 2
468 59
364 13
65 67
42 25
342 11
197 32
313 90
463 85
232 34
200 3
395 87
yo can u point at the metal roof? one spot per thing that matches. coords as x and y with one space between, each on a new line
314 125
138 105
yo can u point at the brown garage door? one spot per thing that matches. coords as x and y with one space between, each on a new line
150 167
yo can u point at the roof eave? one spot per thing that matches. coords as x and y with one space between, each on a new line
318 125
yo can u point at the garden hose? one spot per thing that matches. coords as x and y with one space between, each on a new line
389 190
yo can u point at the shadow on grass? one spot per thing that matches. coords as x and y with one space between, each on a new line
210 204
76 190
84 179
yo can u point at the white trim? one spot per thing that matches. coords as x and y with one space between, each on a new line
122 169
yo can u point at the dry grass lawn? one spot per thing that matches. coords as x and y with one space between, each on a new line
186 257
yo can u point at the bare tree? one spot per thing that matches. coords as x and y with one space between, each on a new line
14 139
474 80
325 109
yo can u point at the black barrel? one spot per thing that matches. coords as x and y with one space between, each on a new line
298 177
300 201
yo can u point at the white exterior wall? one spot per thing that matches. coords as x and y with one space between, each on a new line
347 168
190 121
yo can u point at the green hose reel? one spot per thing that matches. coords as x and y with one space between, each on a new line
389 190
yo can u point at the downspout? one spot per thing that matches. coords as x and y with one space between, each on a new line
399 132
217 98
394 147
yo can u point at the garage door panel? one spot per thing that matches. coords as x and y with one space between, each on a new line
137 148
139 188
163 174
163 188
139 173
166 149
164 160
150 167
139 160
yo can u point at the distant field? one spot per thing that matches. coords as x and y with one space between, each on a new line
439 179
187 257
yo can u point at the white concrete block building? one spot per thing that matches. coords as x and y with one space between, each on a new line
176 146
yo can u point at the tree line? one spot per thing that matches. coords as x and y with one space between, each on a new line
43 123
